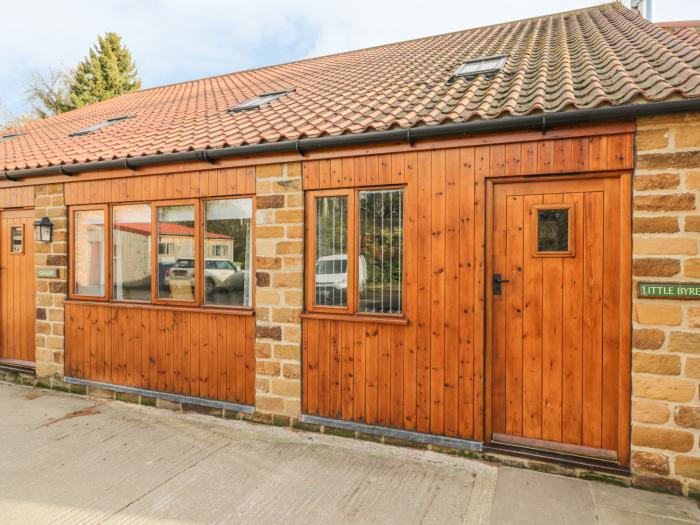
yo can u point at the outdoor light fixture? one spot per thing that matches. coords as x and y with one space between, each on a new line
43 230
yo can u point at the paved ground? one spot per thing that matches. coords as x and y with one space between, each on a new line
72 459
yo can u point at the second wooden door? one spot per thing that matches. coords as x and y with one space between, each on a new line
17 298
559 296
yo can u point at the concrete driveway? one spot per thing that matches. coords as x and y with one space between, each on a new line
73 459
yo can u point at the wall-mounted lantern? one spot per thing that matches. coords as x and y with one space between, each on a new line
43 230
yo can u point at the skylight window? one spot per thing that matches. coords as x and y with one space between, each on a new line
480 66
98 126
9 136
257 102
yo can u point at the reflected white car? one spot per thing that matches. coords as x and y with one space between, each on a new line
218 274
332 277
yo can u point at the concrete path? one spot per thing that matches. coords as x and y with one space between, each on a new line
73 459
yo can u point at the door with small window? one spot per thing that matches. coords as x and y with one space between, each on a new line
559 296
17 298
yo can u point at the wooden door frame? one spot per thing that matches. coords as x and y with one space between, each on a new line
625 371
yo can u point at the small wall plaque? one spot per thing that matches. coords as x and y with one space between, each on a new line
670 290
47 273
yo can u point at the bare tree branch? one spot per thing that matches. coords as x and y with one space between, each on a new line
8 120
48 94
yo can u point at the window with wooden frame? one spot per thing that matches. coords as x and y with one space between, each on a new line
185 252
89 252
553 228
131 252
355 251
228 252
175 274
17 240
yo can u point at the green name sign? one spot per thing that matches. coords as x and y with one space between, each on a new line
47 273
670 290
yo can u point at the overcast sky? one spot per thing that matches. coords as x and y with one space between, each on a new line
176 40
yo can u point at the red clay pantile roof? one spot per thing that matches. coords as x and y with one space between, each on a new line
575 60
689 35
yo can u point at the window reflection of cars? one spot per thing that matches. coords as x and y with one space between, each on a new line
332 278
222 275
218 275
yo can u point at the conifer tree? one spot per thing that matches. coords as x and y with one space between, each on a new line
108 71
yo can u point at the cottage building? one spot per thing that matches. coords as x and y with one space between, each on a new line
486 240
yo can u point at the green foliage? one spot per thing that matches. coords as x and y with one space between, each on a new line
382 251
331 226
381 235
107 71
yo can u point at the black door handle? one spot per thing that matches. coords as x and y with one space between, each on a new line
497 281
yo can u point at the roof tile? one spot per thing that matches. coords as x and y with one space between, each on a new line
575 60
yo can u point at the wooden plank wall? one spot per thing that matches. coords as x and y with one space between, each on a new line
194 353
17 289
186 185
427 375
19 197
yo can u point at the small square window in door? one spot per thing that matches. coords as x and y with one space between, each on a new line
17 235
553 226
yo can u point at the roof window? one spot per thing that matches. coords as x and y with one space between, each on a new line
9 136
480 66
99 126
258 101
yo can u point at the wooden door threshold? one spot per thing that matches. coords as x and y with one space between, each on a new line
555 446
14 365
560 453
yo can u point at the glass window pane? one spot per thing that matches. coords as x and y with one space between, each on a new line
553 230
88 263
131 252
17 233
380 267
466 69
228 252
331 251
176 268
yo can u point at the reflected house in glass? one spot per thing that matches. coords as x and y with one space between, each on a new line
175 244
89 239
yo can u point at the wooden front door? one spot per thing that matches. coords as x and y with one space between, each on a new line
559 293
17 300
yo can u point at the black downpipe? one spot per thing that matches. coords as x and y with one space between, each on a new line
540 122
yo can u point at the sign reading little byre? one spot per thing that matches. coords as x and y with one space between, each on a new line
670 290
47 273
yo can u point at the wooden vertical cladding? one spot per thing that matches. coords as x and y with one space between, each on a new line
20 197
179 351
17 277
168 186
17 287
205 352
425 371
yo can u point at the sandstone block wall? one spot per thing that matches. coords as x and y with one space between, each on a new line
51 292
279 251
666 336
